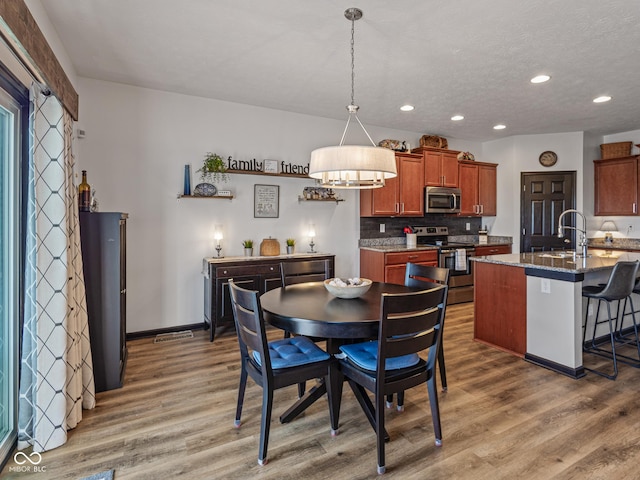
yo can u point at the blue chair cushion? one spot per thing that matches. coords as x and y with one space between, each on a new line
365 356
291 352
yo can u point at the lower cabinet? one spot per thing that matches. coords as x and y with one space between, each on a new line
484 250
390 267
261 273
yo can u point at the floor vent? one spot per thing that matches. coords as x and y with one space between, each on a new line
169 337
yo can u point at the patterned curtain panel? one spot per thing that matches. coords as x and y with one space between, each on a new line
56 380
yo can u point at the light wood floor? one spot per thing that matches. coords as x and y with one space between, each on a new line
502 418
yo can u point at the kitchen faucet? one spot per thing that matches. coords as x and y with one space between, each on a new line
583 231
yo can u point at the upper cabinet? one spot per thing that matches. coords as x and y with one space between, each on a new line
440 166
478 183
616 186
402 196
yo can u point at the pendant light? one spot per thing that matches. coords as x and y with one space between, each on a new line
352 166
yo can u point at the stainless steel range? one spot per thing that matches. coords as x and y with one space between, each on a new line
455 256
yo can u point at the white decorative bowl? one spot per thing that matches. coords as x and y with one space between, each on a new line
349 291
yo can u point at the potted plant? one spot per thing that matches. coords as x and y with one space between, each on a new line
291 243
213 168
248 247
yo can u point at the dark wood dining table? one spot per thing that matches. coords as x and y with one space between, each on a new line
309 309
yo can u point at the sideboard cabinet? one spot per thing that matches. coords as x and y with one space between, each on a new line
253 273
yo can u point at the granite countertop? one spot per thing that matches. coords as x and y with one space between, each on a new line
562 261
253 258
402 247
398 248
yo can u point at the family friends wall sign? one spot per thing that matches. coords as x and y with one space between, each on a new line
266 166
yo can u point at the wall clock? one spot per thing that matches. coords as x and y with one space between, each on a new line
548 158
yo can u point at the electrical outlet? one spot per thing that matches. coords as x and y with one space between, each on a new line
382 228
468 226
545 285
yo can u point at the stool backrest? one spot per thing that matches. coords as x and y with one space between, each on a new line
621 281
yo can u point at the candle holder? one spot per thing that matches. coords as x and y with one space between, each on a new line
218 238
312 234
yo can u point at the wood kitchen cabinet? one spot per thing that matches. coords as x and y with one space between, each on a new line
253 273
390 267
478 185
484 250
500 317
402 196
440 166
616 186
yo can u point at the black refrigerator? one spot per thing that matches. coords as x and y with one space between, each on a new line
103 238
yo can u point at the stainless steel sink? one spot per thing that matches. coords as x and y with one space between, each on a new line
558 255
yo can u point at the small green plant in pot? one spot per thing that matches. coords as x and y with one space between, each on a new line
248 247
213 169
291 243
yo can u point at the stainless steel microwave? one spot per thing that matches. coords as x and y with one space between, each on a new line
442 200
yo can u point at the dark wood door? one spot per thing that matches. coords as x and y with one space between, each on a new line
544 197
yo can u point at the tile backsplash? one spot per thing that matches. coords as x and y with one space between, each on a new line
394 226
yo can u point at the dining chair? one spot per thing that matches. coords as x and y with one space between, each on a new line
273 365
292 273
409 323
425 276
619 287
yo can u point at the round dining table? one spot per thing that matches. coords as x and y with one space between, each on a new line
309 309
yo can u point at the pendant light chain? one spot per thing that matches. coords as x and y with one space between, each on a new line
353 61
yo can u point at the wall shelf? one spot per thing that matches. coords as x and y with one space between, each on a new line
227 197
302 199
291 175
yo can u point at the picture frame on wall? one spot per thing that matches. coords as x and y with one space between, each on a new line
266 201
270 166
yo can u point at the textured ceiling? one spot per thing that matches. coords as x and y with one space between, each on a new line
469 57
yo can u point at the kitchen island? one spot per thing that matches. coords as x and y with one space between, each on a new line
531 305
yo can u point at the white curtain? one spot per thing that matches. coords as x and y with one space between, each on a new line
56 378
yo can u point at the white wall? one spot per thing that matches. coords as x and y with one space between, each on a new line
520 154
137 143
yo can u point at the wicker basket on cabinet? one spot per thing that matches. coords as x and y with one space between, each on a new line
615 150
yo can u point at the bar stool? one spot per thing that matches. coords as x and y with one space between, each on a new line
625 337
619 287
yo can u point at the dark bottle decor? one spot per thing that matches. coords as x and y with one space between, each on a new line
84 194
187 180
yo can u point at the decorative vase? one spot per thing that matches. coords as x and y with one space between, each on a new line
248 252
205 190
290 249
187 180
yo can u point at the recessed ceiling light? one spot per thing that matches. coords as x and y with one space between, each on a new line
499 127
602 99
457 118
540 79
406 108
